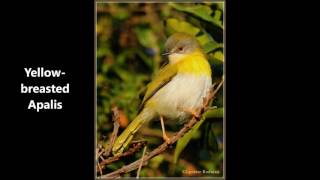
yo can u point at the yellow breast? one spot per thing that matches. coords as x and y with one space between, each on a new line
194 63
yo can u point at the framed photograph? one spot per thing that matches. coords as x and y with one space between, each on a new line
160 89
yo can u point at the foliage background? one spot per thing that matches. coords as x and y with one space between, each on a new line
130 40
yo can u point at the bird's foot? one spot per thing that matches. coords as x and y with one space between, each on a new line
166 139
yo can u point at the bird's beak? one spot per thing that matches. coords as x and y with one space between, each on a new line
166 53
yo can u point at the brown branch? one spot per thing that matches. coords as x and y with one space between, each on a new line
140 165
175 138
98 164
115 118
136 147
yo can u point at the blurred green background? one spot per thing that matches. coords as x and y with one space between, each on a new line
130 40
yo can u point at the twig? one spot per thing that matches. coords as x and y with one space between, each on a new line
98 164
140 165
136 147
100 153
115 118
100 169
175 138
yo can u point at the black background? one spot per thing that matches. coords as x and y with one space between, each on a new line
261 137
51 143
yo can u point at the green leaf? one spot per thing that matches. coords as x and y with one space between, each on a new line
219 55
220 6
146 37
208 164
123 74
211 46
217 15
156 161
121 58
183 142
118 12
209 138
203 39
202 11
100 79
208 43
174 25
102 51
214 113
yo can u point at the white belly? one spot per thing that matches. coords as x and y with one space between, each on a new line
183 92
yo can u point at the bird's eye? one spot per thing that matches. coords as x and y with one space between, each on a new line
180 48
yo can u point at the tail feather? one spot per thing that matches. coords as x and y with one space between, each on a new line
126 136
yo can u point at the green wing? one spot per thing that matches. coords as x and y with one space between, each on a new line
163 77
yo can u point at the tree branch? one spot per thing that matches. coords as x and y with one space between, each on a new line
136 147
135 165
140 165
116 125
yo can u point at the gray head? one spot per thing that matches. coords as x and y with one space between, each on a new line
181 43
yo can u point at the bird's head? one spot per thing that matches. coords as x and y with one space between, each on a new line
179 45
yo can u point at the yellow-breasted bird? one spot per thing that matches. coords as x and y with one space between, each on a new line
176 91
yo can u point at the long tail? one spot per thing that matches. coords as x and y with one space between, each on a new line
126 136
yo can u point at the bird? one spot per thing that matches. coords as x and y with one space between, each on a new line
176 92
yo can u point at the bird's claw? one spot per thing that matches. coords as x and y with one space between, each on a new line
166 139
